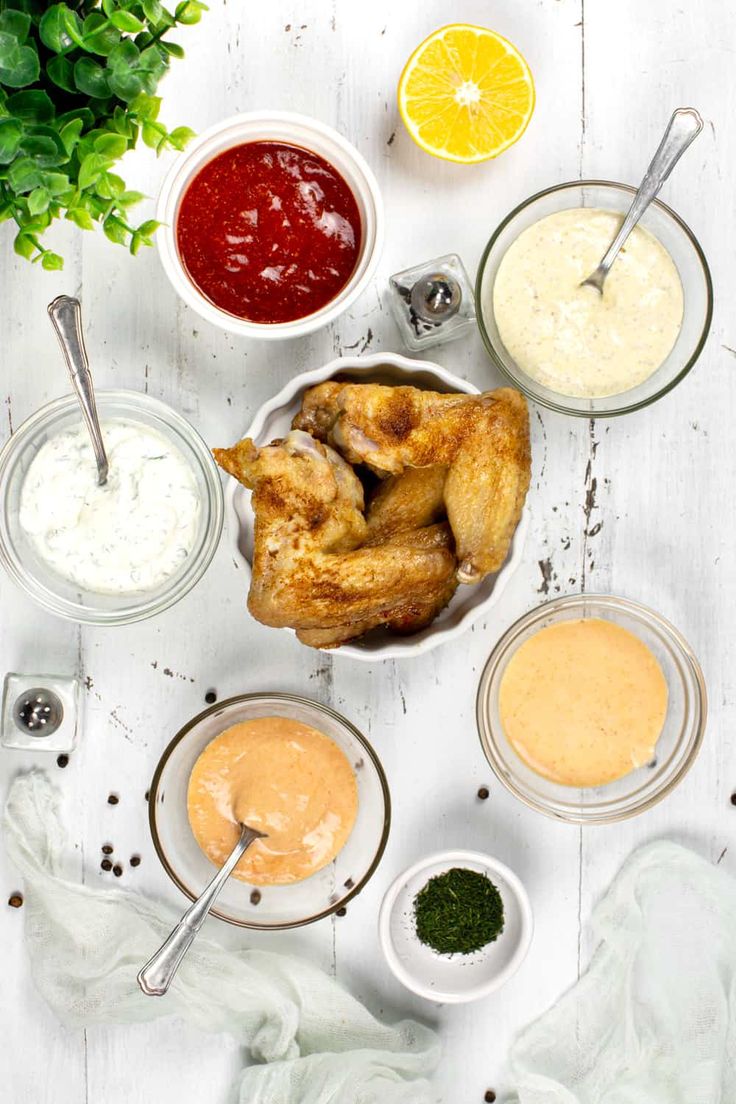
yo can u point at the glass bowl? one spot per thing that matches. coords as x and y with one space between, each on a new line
18 554
678 240
678 744
281 906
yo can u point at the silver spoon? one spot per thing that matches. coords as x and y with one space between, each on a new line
684 126
66 318
158 973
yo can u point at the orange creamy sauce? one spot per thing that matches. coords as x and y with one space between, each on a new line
583 702
283 778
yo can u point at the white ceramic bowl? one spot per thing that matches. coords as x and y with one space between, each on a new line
454 979
274 420
297 130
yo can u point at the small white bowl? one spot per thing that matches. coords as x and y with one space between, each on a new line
454 979
296 130
274 419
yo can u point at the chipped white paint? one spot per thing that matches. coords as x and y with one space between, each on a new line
639 506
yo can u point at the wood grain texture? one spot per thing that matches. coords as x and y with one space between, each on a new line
637 506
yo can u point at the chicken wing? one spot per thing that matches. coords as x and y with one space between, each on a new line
486 485
308 571
407 501
387 428
415 614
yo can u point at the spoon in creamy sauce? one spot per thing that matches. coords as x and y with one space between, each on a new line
158 973
684 126
66 318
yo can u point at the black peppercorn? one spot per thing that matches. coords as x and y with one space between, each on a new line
107 849
255 897
210 697
733 798
62 761
117 870
106 864
15 900
341 911
135 860
148 794
484 793
490 1096
113 799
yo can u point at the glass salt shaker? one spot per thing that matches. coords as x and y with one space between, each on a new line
432 302
40 713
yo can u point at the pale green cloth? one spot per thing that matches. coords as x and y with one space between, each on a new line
87 945
653 1021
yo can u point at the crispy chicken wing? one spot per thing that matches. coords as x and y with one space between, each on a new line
486 485
308 571
483 440
387 428
407 501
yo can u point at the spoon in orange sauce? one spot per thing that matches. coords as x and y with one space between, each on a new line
158 973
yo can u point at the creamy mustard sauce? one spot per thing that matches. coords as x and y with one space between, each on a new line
283 778
583 702
572 339
129 535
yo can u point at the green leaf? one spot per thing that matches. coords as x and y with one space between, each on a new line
99 36
70 133
109 6
154 135
34 106
53 28
110 186
24 246
111 145
127 22
129 199
146 107
19 65
189 12
52 262
38 201
115 231
149 227
125 55
91 78
153 10
24 175
91 169
61 71
11 133
173 49
45 146
126 84
15 23
180 137
83 113
72 25
57 183
80 218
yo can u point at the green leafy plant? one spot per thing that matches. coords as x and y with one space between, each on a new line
77 89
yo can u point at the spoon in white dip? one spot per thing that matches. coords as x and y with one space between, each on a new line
158 973
684 126
66 318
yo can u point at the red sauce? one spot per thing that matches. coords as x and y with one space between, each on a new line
269 232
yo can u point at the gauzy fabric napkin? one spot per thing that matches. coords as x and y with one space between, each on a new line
653 1021
86 946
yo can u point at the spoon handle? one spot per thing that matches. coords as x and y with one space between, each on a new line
158 973
684 126
66 318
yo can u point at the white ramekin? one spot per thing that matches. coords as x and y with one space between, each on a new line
298 130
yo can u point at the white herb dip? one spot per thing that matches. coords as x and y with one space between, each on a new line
570 338
127 536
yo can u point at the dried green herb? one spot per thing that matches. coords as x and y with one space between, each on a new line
77 84
458 912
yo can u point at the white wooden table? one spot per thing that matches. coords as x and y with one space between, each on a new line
641 506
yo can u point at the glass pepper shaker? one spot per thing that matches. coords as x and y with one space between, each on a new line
40 713
432 302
